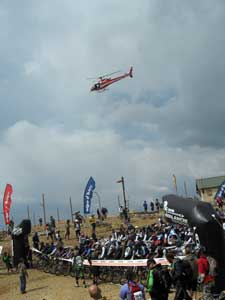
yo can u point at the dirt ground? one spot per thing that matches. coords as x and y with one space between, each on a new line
50 287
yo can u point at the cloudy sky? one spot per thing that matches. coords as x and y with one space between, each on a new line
168 119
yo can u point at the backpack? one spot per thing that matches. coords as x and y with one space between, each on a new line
212 266
136 292
163 279
183 271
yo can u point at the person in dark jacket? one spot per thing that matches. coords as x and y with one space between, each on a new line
181 276
36 241
155 286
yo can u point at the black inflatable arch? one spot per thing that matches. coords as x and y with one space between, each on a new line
199 214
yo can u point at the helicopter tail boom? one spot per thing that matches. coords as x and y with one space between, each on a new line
131 72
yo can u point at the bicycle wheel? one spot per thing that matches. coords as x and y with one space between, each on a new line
116 276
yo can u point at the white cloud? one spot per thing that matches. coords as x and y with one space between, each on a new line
40 159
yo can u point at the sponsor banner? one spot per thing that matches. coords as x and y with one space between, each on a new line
162 261
7 202
118 263
174 216
88 193
112 263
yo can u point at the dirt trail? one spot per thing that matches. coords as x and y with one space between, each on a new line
50 287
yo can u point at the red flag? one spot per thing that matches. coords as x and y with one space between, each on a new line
7 202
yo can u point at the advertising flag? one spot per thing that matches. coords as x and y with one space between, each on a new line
175 182
88 193
221 191
7 202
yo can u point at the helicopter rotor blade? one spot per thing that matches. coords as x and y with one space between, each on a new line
110 74
91 78
103 76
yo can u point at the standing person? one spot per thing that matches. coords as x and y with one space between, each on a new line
48 231
23 275
52 227
93 223
95 270
36 241
192 259
159 281
206 276
125 215
132 290
7 260
67 234
104 213
99 214
157 205
145 205
40 222
77 228
79 268
181 276
121 211
152 206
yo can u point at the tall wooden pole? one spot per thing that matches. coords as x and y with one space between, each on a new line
43 205
124 196
118 198
34 219
71 209
185 189
28 212
58 214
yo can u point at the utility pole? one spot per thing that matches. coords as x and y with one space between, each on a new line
34 219
71 209
118 198
43 205
185 189
58 214
28 212
124 196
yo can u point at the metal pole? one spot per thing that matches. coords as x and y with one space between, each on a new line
28 212
43 205
58 214
71 209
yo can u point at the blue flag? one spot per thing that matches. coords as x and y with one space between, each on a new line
88 193
221 191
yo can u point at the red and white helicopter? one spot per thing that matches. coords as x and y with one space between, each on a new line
104 81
